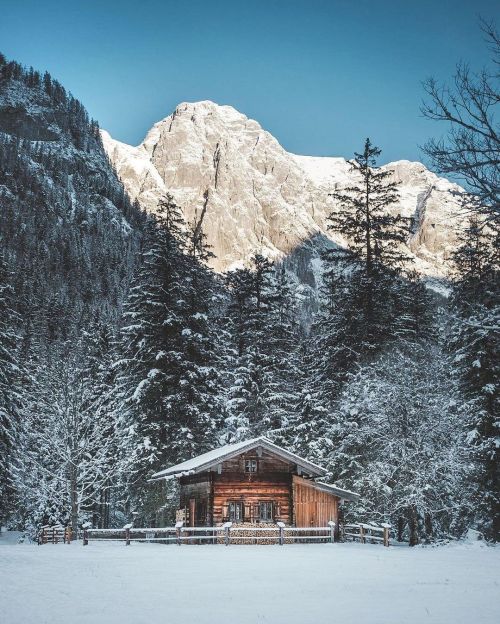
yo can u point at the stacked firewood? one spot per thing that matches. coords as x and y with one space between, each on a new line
248 533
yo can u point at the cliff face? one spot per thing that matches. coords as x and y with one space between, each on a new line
262 198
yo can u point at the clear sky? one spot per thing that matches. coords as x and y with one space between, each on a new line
320 75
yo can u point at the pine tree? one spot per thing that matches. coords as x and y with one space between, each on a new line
264 387
475 343
168 376
363 216
248 309
11 378
360 283
284 347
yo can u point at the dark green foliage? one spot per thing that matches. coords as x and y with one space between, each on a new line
11 385
168 374
363 216
263 323
475 343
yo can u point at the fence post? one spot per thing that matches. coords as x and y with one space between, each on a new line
331 524
281 526
86 536
227 529
127 528
362 534
178 528
386 533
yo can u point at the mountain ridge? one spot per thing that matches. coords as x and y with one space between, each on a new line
264 199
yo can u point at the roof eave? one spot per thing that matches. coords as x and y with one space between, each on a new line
309 467
336 491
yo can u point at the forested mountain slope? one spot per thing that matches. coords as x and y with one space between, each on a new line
68 242
66 225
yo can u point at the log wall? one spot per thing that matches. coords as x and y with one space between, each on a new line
271 483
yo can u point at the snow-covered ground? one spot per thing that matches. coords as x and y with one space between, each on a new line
293 584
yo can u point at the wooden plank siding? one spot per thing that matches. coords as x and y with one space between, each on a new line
196 498
312 507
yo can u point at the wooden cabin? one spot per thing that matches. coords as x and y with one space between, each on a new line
251 482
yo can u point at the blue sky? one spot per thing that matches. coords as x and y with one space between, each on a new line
320 75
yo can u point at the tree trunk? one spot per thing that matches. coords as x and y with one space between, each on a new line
413 526
74 500
428 527
401 528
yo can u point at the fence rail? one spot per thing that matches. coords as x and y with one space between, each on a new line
225 534
367 533
54 534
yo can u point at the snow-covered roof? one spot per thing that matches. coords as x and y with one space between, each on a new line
212 458
333 489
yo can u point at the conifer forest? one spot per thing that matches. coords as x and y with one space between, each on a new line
122 350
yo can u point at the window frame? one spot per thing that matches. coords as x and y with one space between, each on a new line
237 504
253 462
269 515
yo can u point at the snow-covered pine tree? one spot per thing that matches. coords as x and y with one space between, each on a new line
250 293
167 374
284 342
307 422
237 364
11 378
396 438
475 343
360 285
68 454
264 387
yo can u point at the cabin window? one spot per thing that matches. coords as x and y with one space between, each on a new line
250 465
235 511
266 511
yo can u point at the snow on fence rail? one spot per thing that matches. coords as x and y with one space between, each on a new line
54 534
227 534
366 533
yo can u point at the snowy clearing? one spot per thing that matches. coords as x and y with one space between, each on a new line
296 584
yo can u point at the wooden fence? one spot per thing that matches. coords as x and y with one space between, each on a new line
366 533
226 534
54 534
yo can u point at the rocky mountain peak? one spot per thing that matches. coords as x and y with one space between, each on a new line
263 198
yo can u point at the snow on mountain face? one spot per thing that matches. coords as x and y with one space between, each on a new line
262 198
